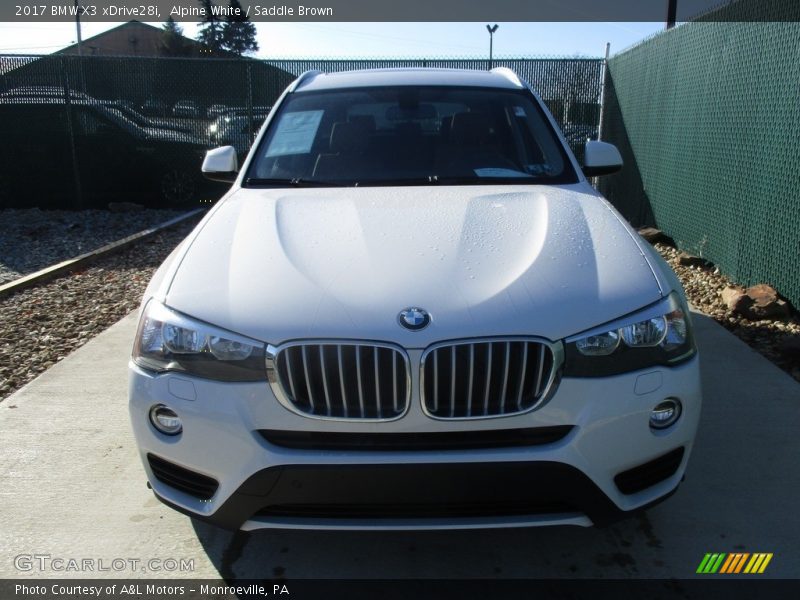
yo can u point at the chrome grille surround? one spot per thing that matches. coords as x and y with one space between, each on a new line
524 376
341 380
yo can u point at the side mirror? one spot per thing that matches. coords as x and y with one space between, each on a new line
600 158
221 164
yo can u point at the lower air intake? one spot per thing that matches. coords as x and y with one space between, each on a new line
200 486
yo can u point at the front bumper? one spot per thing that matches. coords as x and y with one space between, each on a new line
563 479
440 495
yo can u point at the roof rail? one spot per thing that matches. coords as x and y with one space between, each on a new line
508 74
303 76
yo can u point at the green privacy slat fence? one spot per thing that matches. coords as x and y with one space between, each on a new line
79 132
707 117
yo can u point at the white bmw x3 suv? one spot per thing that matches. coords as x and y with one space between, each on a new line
412 310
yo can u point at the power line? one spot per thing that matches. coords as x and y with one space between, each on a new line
33 47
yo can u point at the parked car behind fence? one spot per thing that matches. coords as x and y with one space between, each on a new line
85 153
187 108
236 129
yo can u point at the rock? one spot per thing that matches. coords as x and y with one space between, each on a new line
762 294
776 310
766 304
687 260
736 299
652 235
121 207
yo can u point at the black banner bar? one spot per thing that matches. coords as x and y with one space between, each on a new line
393 10
708 588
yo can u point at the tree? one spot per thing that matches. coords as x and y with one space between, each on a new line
172 41
172 28
211 30
238 34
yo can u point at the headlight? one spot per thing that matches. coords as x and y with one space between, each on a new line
658 335
169 341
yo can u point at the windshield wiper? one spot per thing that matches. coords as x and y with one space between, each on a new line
293 182
399 181
472 180
299 182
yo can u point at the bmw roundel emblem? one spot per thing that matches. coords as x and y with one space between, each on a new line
414 318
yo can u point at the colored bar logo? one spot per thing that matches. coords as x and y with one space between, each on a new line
734 563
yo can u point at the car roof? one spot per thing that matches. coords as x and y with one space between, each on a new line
496 78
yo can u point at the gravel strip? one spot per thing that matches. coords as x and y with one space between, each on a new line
41 325
33 239
777 340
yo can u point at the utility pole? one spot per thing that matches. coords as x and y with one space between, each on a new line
491 31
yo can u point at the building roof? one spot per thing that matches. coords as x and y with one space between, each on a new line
135 38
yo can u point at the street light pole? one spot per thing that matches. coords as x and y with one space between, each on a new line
80 45
672 11
491 31
78 25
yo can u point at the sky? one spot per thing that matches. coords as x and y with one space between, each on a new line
377 40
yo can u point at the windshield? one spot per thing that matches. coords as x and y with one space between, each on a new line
406 135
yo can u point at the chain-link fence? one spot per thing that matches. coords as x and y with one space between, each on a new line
84 131
708 121
80 132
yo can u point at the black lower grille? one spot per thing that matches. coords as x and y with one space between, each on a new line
441 440
184 480
650 473
414 511
414 490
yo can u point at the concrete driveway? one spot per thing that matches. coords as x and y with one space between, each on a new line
73 487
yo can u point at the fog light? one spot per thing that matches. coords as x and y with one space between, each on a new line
165 420
665 413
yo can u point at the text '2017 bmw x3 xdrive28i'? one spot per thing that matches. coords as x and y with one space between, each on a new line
412 310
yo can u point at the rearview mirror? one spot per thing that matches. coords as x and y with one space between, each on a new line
221 164
420 112
601 158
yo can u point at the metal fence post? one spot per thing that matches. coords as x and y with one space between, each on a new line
603 92
250 104
78 204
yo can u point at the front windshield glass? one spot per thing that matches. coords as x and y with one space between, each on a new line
405 135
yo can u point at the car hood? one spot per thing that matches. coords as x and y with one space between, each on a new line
281 264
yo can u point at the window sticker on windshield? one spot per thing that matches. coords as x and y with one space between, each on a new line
499 172
519 111
295 133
